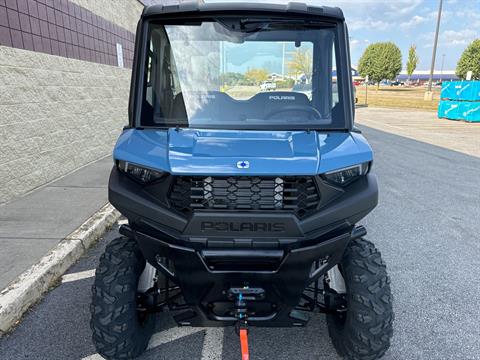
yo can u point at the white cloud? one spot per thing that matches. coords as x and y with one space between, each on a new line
376 15
449 38
402 7
462 14
358 44
462 37
416 20
369 24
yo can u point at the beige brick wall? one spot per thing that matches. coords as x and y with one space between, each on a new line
56 114
124 13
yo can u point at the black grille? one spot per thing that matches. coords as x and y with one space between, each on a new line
290 193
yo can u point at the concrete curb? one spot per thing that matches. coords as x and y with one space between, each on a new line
30 286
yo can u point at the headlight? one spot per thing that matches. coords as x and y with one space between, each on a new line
347 175
140 173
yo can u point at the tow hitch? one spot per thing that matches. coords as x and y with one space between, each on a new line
241 296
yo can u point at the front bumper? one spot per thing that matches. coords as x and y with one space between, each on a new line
206 276
207 262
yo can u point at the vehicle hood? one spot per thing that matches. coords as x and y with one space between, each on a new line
231 152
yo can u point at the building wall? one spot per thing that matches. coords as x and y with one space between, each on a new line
63 98
125 12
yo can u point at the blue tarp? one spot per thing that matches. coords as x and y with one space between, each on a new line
459 110
448 89
449 109
470 111
460 100
461 90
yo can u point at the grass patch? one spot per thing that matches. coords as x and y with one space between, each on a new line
398 97
386 96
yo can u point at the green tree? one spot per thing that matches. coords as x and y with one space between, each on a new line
301 63
412 60
381 61
470 61
256 75
232 78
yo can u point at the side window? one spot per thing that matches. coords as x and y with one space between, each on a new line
174 76
335 97
161 80
149 92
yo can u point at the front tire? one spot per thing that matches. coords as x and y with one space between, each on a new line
365 330
119 330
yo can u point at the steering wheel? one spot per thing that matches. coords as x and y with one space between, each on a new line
302 108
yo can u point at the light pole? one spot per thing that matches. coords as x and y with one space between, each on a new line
429 96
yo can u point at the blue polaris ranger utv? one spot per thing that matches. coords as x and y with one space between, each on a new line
242 177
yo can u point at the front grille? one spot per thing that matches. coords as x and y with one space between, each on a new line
297 194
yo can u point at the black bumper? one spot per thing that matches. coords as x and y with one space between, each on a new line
208 260
206 276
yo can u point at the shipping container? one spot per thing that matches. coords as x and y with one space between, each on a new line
461 91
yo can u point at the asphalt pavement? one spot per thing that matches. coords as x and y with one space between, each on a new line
426 226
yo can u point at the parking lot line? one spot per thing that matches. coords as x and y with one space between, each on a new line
172 334
212 343
93 357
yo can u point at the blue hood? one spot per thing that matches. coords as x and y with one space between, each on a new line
217 152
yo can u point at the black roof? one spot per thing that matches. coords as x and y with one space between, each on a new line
200 6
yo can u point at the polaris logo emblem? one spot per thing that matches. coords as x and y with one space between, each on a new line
243 164
224 226
282 97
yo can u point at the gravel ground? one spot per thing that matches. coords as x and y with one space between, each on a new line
426 227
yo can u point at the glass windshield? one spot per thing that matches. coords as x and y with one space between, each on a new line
241 73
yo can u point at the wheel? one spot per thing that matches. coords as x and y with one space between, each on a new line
120 331
363 331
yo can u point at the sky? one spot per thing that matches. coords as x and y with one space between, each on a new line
406 22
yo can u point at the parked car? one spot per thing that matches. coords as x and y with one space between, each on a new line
304 89
268 86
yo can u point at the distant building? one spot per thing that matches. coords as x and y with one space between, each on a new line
355 75
419 76
275 77
424 75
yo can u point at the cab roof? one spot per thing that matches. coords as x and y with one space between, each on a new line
202 7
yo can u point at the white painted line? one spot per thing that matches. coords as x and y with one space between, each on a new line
78 276
213 344
94 357
172 334
122 222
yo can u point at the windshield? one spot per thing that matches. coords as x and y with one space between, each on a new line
241 73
